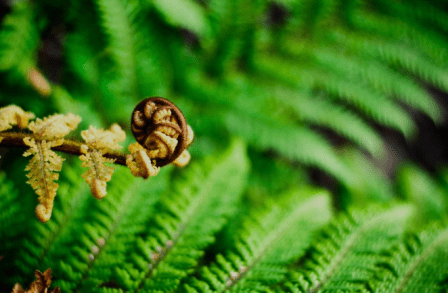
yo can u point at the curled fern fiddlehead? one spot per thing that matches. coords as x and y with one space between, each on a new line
160 127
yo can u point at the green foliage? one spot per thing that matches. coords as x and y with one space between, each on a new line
264 244
274 90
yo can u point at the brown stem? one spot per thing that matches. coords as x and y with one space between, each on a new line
15 139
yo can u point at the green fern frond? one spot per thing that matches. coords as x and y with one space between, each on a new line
18 39
267 241
368 184
12 226
360 96
424 13
396 55
418 264
133 211
84 244
183 13
40 239
121 79
154 71
294 142
431 43
345 256
382 79
322 112
417 186
185 223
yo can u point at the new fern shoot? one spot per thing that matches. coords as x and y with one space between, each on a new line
161 129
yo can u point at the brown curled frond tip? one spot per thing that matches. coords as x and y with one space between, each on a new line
160 127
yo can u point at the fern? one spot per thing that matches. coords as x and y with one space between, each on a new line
417 264
296 143
345 256
19 39
302 87
185 224
265 243
122 83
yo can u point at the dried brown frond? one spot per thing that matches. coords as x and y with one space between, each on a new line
13 115
99 141
45 162
40 285
39 82
139 163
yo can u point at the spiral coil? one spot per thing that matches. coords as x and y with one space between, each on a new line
160 127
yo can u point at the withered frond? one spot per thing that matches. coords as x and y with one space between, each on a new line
43 167
55 126
97 143
13 115
40 285
45 162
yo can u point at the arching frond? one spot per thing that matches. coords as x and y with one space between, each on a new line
267 241
337 260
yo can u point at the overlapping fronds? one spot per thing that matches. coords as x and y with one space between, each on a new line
186 221
418 264
292 79
40 239
267 241
294 142
346 254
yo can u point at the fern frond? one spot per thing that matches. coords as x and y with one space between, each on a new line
19 39
183 13
42 167
322 112
98 142
396 55
133 210
54 126
417 186
268 240
13 115
11 216
382 79
360 96
122 83
93 249
425 14
418 264
368 184
187 219
46 162
293 142
39 244
338 259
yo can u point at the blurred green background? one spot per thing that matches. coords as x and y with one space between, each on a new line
349 95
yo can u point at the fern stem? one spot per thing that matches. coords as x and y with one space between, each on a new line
15 139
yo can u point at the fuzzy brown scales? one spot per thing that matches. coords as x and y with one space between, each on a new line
160 127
